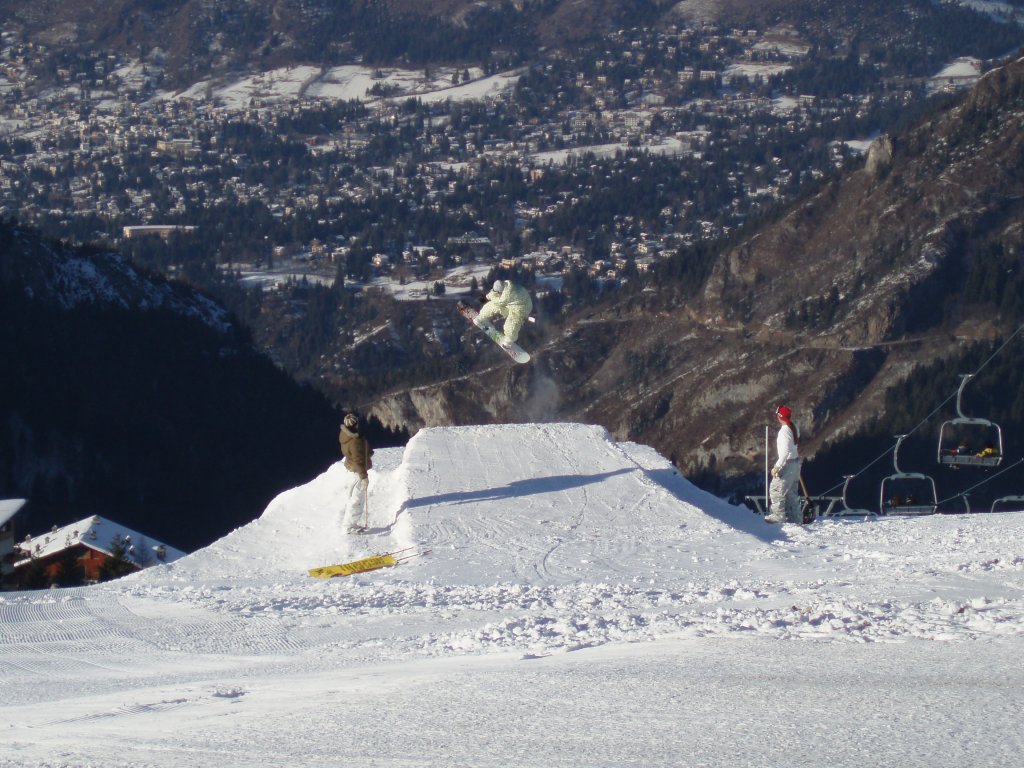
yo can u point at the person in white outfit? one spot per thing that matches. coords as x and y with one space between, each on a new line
783 491
512 302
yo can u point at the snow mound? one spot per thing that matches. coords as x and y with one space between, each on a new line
535 504
554 537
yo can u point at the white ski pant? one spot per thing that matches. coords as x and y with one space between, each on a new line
355 512
515 315
358 490
784 492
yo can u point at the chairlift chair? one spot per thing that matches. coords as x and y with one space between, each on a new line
847 510
985 436
1017 503
906 493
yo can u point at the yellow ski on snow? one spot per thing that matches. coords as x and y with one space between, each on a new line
356 566
383 560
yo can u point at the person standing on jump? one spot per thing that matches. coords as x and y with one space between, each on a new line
783 491
357 452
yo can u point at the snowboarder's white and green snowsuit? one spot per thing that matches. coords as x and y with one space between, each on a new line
513 303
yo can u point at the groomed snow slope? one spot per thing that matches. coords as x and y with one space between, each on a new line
576 602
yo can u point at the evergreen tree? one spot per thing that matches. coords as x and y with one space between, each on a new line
117 564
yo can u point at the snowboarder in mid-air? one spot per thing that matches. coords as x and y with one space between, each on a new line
512 302
785 503
357 452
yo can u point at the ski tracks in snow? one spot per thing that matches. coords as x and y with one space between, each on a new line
528 514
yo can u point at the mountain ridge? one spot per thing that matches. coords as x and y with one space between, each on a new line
68 280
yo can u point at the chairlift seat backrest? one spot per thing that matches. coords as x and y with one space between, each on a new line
992 437
925 500
923 486
950 437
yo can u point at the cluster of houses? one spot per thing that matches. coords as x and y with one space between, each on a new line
94 135
84 552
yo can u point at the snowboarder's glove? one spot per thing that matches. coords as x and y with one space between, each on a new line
483 298
775 471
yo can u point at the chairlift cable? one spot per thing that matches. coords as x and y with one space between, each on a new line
1001 348
862 469
889 450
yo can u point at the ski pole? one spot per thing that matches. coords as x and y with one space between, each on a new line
767 498
410 557
396 551
366 503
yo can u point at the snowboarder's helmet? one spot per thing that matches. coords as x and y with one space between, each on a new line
351 421
499 286
783 412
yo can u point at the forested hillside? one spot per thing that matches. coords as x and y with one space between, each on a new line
164 422
196 40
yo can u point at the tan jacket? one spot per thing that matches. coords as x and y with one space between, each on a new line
356 450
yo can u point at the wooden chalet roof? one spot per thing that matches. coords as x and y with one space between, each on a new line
99 534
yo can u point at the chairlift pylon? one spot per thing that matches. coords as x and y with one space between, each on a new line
984 446
906 493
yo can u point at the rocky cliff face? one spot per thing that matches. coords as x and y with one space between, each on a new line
824 309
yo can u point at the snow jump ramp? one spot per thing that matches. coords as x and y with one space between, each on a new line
534 503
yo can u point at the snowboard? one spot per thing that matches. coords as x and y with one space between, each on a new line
513 350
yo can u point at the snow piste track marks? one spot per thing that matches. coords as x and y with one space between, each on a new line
101 631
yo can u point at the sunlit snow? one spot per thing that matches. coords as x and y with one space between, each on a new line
350 82
573 602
